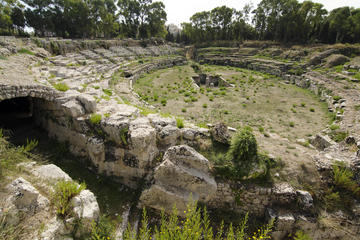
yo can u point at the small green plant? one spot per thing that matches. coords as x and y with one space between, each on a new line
64 192
183 110
107 92
163 102
63 87
123 135
25 51
195 226
180 123
312 110
303 104
95 118
334 127
338 136
291 124
30 145
204 105
300 235
104 229
336 98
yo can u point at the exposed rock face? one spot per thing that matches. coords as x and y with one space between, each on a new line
336 59
86 208
50 172
182 174
220 133
321 142
25 197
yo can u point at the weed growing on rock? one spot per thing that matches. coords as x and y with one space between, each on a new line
63 87
25 51
64 192
195 226
180 123
95 118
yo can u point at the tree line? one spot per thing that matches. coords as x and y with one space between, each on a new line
278 20
84 18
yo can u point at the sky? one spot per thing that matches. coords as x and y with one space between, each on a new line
179 11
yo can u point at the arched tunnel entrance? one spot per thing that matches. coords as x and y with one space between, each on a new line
20 122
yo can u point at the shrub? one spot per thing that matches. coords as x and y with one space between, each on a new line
64 192
163 102
343 180
25 51
183 110
204 105
30 145
104 229
312 110
336 98
195 226
179 122
63 87
95 118
107 92
338 136
300 235
292 124
243 151
334 127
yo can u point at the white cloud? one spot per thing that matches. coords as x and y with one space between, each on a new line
181 11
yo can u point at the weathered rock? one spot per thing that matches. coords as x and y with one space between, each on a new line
88 102
220 133
283 193
335 60
86 208
316 59
57 229
183 172
168 136
73 108
25 197
50 172
142 141
305 199
321 142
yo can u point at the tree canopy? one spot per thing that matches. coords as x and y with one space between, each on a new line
278 20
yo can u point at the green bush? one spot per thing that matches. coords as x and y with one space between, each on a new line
243 151
104 229
61 87
195 226
25 51
30 145
64 192
95 118
334 127
179 122
336 98
343 180
338 136
163 102
107 92
300 235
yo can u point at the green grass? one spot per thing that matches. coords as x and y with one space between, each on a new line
25 51
95 118
180 123
64 192
195 226
259 101
63 87
108 92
